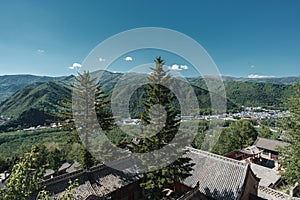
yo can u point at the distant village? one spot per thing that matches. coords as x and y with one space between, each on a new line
256 113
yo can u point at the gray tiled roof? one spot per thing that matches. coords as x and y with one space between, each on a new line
74 167
49 172
103 185
267 176
219 177
64 166
98 180
269 144
251 150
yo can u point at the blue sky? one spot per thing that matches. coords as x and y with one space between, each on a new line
243 37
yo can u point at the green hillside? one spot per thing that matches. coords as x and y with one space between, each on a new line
9 84
203 96
258 94
34 104
252 93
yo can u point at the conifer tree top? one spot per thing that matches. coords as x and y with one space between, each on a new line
159 63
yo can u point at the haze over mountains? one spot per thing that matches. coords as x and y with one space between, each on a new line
29 99
275 80
9 84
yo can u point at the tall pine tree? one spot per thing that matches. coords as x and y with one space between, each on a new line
84 89
103 110
165 122
90 107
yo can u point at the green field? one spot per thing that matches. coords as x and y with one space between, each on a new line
16 143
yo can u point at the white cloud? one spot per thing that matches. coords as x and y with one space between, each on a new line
101 59
128 58
259 76
252 66
184 67
175 67
41 51
178 67
75 65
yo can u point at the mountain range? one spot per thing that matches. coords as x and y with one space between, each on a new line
9 84
29 99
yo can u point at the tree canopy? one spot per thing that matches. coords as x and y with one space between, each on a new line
161 114
290 155
240 134
25 176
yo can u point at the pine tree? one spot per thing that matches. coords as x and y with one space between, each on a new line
165 121
86 160
55 159
90 98
103 111
84 90
290 155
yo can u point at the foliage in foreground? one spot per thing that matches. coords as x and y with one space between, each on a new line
25 176
290 155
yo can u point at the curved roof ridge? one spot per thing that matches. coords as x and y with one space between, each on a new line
219 177
212 155
269 139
